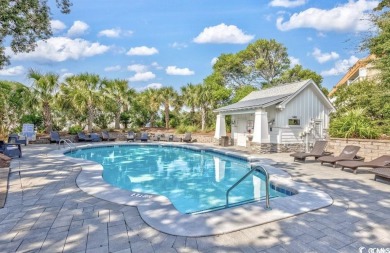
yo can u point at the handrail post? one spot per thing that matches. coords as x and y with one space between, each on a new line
253 168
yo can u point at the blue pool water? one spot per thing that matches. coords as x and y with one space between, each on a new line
192 180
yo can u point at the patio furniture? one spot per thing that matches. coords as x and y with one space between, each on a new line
381 173
187 137
164 137
382 161
144 136
83 137
174 138
156 137
11 150
106 136
130 136
317 151
95 137
55 137
348 154
16 138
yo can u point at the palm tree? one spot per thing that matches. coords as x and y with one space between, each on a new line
117 96
189 97
43 94
82 93
168 97
151 101
204 100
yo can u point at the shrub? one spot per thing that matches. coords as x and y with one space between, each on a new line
353 124
184 129
75 129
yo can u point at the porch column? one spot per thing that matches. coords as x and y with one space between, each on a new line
220 127
260 132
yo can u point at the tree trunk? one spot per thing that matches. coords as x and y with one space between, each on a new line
90 118
166 115
47 117
152 120
117 120
203 110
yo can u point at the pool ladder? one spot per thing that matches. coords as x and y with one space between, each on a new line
253 168
68 142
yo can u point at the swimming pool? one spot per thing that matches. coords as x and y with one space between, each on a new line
193 180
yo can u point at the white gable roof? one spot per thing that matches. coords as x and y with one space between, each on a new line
279 95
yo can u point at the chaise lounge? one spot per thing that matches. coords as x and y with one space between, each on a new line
317 151
187 137
382 161
106 136
11 150
381 173
348 154
130 136
144 136
83 137
55 137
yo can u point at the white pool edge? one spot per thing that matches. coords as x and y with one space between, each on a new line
159 213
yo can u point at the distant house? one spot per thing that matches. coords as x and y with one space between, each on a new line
361 70
284 118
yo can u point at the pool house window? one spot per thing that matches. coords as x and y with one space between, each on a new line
294 122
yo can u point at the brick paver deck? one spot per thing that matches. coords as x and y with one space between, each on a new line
45 211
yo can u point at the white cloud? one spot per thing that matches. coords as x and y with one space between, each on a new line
13 71
144 76
156 65
173 70
214 60
324 57
178 45
223 34
78 28
287 3
59 49
341 67
112 68
64 76
150 86
294 61
114 33
138 68
142 51
350 17
57 26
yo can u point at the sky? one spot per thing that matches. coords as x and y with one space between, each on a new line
154 43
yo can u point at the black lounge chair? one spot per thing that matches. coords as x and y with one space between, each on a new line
83 137
15 138
11 150
106 136
187 137
130 136
144 136
174 138
55 137
317 151
348 154
95 137
381 173
382 161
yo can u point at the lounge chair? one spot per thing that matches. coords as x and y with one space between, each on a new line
187 137
55 137
156 137
16 138
106 136
382 161
144 136
317 151
164 137
130 136
11 150
348 154
174 138
95 137
83 137
381 173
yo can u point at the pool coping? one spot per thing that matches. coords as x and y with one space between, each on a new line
159 213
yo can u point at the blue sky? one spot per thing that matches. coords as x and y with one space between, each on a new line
154 43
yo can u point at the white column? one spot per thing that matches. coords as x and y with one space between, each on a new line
260 132
220 127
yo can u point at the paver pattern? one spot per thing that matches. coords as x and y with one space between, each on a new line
45 211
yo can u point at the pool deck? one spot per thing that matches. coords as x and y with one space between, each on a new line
45 211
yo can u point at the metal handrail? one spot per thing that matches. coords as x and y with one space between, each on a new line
253 168
67 142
